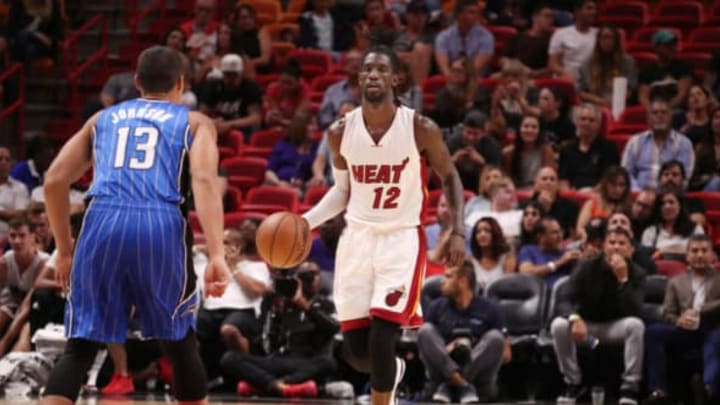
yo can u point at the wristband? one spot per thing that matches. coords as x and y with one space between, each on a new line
551 265
458 233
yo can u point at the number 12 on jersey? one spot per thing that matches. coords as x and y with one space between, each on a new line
146 148
391 194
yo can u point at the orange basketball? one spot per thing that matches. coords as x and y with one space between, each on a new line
283 240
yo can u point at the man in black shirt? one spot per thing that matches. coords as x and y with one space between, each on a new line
670 78
462 327
235 102
530 47
472 149
583 161
606 295
297 339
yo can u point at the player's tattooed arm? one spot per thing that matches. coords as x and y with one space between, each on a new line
429 140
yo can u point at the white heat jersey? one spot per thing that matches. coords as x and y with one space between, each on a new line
386 184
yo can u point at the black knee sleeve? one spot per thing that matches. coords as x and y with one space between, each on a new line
383 340
70 372
189 377
355 349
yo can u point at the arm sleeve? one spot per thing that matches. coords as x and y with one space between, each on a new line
333 202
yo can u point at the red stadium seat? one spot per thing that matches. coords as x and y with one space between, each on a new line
670 268
636 115
638 10
234 139
313 62
501 33
711 200
620 140
245 172
682 14
578 197
703 39
194 222
321 83
430 87
269 199
266 138
312 196
232 201
644 59
699 60
264 80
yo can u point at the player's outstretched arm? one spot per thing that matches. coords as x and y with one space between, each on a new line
74 159
335 200
204 158
430 142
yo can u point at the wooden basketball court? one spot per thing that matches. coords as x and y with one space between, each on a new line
160 399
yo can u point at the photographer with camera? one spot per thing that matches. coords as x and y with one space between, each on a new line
297 338
461 342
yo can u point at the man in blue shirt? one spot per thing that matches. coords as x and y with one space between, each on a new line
547 259
462 327
646 152
466 38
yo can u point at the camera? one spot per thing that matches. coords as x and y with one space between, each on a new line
286 282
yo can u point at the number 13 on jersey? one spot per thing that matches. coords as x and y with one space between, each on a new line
146 139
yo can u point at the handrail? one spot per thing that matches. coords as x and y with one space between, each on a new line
17 106
74 68
156 5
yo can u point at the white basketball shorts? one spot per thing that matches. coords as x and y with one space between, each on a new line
379 274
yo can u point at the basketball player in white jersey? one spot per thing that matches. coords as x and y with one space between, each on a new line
380 262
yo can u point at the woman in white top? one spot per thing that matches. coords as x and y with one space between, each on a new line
672 227
491 254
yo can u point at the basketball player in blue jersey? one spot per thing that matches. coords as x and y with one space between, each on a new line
379 150
133 247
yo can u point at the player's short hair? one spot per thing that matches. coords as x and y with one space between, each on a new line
159 68
387 51
699 237
19 222
467 270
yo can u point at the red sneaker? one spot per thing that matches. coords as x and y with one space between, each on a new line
307 389
165 372
245 389
119 385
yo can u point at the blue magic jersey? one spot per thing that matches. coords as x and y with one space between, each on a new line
139 151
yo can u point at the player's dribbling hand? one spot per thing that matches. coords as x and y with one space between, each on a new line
217 276
63 265
455 252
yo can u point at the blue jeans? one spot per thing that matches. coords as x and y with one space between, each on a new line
658 337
